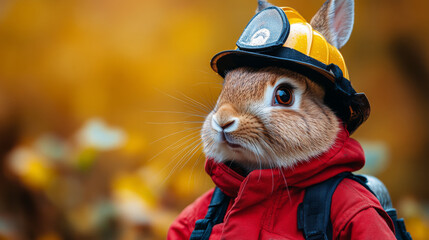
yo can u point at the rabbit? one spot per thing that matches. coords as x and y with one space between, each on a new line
273 133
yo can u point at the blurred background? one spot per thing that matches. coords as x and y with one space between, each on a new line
101 102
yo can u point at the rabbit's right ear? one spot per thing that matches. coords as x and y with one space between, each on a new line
262 4
334 21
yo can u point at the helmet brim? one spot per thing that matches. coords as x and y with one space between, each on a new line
225 61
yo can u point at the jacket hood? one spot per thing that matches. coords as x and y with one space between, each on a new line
346 154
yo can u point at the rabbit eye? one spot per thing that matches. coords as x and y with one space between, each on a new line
283 96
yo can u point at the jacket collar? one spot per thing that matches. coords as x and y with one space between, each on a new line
346 154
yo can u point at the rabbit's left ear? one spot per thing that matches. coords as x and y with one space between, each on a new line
334 21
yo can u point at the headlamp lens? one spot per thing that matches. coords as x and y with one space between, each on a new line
267 29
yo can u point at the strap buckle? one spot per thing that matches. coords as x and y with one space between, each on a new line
316 236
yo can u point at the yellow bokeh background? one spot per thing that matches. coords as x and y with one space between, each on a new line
101 103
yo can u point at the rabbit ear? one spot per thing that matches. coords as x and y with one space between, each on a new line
334 21
262 5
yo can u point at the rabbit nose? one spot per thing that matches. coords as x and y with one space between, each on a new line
225 119
224 125
227 124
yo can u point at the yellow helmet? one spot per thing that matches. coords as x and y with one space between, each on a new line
282 37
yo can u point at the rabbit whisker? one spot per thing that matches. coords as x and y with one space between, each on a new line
180 122
187 149
177 112
172 146
197 103
185 130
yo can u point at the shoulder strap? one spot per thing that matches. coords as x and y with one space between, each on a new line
400 230
314 211
215 214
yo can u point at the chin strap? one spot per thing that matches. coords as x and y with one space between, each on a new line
351 107
342 93
342 85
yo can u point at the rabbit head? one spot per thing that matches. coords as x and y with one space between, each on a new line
268 118
273 117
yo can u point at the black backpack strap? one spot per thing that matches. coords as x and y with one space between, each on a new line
314 211
215 214
400 230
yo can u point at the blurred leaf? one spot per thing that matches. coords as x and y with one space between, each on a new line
134 199
97 134
33 169
52 147
86 158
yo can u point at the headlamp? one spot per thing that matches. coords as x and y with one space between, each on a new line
267 30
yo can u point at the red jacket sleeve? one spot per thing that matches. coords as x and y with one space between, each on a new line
357 214
367 224
184 224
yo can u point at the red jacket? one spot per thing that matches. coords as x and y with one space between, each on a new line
264 204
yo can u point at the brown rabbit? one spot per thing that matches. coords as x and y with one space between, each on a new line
280 125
